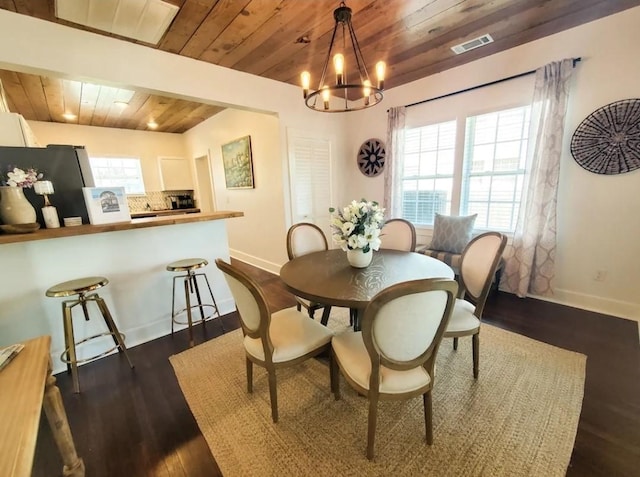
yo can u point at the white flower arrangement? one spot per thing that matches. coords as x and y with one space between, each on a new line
358 225
16 177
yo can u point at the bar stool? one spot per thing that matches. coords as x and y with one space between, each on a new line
190 265
81 287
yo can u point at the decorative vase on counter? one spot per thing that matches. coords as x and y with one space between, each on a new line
359 259
14 206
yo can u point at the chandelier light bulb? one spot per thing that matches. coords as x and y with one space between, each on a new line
366 91
381 68
325 96
305 79
338 64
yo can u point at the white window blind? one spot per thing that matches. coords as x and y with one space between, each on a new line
487 168
494 166
429 161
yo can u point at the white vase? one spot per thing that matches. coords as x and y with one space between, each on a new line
14 207
359 259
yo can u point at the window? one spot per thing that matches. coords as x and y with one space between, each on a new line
118 172
494 163
487 169
427 183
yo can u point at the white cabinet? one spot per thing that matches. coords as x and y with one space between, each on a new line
176 173
15 131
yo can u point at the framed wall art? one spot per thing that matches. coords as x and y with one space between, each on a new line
238 164
106 205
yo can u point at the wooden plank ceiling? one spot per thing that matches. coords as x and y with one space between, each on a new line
278 39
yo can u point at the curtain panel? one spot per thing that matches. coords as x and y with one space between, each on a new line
531 268
394 163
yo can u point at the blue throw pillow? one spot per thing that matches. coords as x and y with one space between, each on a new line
451 233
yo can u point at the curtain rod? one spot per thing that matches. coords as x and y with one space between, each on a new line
526 73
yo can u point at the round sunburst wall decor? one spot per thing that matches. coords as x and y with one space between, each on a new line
608 140
371 157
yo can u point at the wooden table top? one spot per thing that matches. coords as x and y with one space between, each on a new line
22 384
327 277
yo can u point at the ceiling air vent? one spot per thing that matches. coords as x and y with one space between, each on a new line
471 44
144 20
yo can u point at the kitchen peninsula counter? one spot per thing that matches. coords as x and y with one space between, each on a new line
133 256
44 234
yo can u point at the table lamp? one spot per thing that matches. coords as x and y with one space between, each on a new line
49 212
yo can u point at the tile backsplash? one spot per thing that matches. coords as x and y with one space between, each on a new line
155 200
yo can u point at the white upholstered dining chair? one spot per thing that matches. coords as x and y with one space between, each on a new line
304 238
480 259
399 234
393 357
272 340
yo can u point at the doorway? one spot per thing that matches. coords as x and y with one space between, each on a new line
310 175
206 199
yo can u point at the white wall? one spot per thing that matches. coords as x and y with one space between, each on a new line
599 216
259 236
146 145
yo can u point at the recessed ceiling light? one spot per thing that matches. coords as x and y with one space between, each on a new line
121 104
69 116
152 124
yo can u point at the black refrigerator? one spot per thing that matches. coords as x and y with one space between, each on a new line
67 167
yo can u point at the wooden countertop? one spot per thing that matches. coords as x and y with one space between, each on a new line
159 213
44 234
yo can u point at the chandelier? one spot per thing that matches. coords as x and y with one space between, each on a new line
356 95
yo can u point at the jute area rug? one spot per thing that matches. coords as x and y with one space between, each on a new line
518 419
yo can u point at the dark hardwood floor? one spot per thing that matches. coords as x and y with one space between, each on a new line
137 423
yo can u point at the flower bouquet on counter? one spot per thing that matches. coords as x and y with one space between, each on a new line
358 225
17 177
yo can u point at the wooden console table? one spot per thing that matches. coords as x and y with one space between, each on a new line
27 387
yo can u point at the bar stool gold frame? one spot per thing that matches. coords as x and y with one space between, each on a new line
81 287
190 265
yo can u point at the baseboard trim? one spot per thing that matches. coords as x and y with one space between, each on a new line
255 261
598 304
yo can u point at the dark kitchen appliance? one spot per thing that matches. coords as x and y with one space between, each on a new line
181 201
184 201
67 167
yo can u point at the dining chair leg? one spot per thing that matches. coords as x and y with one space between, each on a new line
249 375
428 416
476 354
298 306
273 394
326 311
455 344
373 417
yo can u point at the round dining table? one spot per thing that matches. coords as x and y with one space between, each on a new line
326 277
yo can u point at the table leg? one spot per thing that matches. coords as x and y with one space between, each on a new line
57 417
